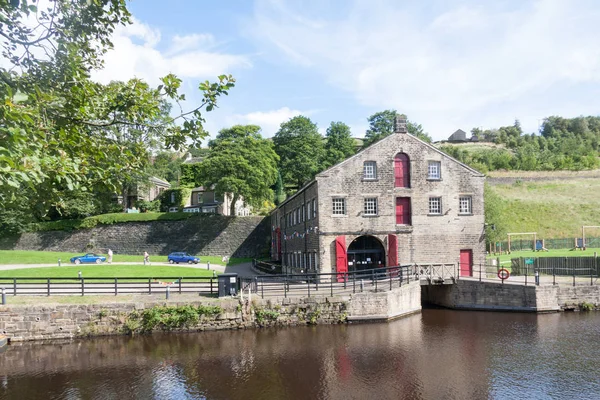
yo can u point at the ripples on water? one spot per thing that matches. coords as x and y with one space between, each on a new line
438 354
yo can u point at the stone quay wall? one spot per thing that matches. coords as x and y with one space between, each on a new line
474 295
211 235
66 321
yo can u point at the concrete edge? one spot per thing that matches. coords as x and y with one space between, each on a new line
382 318
3 341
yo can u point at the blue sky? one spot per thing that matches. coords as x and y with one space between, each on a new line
446 64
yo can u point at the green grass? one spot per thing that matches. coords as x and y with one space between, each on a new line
504 258
51 257
553 208
107 271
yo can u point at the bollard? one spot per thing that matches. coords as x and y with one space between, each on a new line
59 262
537 278
79 274
167 292
214 274
362 285
3 296
208 265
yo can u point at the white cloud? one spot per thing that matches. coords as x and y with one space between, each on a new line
269 121
479 65
137 53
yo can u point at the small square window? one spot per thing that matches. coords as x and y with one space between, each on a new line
370 206
370 170
435 205
464 205
435 170
339 206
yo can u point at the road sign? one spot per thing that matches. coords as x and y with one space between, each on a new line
529 261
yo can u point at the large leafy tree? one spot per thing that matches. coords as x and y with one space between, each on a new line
340 144
381 124
59 128
300 149
240 162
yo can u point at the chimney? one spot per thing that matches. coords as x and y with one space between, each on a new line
400 124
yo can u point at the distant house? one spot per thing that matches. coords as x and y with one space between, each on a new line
148 191
207 201
458 137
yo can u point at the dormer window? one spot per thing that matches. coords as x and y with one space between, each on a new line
370 170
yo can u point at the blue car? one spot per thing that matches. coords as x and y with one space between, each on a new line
88 258
179 256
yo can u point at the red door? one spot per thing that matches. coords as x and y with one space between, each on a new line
341 258
403 210
402 170
466 263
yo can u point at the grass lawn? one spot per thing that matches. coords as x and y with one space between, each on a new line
505 258
106 271
51 257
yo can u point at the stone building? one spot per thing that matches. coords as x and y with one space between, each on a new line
399 201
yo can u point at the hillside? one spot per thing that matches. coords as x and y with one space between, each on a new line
553 204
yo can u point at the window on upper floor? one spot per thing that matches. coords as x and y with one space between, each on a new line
434 170
370 206
314 207
464 205
435 205
339 206
370 170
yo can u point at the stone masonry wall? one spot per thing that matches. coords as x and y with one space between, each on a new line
467 294
203 235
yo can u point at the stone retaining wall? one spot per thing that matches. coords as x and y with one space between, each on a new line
65 321
474 295
214 235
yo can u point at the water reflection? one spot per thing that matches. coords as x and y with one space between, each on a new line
438 354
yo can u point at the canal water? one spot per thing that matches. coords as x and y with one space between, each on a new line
439 354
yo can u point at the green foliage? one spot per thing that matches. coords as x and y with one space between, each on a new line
168 318
148 206
189 174
279 193
60 130
585 306
339 145
300 149
381 124
263 315
177 197
496 226
105 219
166 165
240 162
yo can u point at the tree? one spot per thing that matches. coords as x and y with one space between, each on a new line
381 124
495 222
240 162
340 144
166 165
56 132
300 149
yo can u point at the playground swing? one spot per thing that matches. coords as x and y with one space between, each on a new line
533 243
580 243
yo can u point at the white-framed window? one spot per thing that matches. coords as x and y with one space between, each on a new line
339 206
172 197
314 207
434 170
464 205
370 206
435 205
370 170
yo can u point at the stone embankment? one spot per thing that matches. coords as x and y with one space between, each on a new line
60 321
211 235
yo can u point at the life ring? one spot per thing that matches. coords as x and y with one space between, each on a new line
503 274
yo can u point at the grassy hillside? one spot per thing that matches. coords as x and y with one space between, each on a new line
553 204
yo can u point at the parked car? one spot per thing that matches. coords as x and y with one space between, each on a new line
179 256
88 258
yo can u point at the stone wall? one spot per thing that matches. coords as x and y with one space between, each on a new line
203 235
473 295
64 321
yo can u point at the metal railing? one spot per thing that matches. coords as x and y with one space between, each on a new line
341 283
108 286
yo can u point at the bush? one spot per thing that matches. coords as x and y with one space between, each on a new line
148 206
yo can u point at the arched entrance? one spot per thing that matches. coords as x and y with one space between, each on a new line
365 252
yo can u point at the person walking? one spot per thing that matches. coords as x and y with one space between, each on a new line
146 258
110 254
